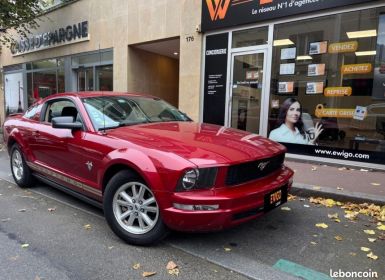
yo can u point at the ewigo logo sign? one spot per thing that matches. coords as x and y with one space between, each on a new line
217 8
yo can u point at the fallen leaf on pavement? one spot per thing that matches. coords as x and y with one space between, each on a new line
350 215
337 220
22 210
352 254
375 184
316 187
340 189
6 220
301 199
24 245
313 243
87 226
110 247
381 227
227 249
339 238
51 209
369 231
364 170
333 216
372 239
325 202
372 256
174 271
136 266
342 168
291 197
285 208
330 202
171 265
148 274
365 249
322 225
306 206
313 168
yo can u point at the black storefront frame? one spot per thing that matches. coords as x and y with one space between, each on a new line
308 152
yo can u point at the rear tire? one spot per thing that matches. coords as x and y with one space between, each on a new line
20 171
131 210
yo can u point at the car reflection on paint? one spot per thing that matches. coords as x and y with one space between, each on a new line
146 163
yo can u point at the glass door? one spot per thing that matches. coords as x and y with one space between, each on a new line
247 90
85 79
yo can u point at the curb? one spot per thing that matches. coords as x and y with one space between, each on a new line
306 190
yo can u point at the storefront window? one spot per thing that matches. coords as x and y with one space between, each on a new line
104 78
44 64
250 37
60 80
45 78
93 71
44 84
327 84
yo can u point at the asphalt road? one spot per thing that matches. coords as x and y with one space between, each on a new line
281 242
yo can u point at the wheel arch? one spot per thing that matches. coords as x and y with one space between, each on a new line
114 169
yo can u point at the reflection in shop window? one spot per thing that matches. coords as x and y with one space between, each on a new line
335 69
104 78
250 37
45 77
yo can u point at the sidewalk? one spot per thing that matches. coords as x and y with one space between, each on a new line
312 179
338 182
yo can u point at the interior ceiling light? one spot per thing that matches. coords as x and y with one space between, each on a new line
282 42
175 53
365 53
304 57
362 34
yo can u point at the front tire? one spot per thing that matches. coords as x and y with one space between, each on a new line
132 211
20 170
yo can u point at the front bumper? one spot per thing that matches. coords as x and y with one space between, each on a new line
236 204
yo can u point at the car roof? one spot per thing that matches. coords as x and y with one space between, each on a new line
86 94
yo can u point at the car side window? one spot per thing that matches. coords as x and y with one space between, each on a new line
33 112
60 109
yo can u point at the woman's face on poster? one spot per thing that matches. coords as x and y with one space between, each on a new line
293 113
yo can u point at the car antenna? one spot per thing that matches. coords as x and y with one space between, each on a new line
103 101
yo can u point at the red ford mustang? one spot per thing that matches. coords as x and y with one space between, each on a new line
146 163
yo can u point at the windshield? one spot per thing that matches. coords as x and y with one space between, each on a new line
112 111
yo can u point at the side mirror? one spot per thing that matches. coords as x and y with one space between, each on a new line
66 122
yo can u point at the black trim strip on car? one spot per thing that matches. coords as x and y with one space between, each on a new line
69 191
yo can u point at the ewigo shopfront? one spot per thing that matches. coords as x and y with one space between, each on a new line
307 73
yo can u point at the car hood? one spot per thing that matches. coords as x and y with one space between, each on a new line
202 144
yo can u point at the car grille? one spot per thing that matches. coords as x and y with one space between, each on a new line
249 171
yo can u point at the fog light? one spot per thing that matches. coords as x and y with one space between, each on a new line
196 207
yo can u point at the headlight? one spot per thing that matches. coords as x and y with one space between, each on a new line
190 179
202 178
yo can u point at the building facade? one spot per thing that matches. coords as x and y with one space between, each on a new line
238 63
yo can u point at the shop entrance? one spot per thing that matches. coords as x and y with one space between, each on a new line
247 90
85 79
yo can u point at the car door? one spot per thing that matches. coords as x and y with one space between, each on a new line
64 154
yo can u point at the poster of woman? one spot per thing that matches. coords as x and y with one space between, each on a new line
290 125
